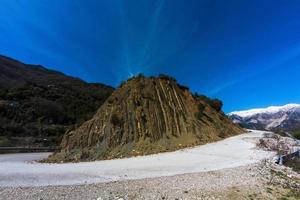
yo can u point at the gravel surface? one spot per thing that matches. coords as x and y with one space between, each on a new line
262 181
186 186
19 169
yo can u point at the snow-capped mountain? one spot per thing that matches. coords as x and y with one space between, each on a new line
285 117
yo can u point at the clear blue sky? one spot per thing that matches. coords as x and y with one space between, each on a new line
247 53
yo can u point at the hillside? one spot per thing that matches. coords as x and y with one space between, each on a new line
144 116
38 105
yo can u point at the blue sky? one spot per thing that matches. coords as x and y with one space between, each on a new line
247 53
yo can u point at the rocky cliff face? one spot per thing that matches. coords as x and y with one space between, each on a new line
144 116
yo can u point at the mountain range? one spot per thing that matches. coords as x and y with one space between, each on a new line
286 118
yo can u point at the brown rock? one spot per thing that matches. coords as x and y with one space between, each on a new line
144 116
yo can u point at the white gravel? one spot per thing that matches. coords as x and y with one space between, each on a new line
196 186
20 170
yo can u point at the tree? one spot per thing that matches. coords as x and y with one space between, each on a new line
216 104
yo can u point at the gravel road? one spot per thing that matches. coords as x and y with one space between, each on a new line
186 186
20 169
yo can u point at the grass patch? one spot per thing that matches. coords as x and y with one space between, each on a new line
283 198
269 190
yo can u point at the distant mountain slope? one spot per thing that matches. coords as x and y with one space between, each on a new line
285 118
37 105
147 115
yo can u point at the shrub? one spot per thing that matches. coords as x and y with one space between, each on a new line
166 77
196 95
216 104
4 141
297 135
183 87
141 75
50 110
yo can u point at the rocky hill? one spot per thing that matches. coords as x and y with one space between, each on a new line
143 116
38 105
286 118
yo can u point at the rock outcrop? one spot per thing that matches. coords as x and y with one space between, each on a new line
144 116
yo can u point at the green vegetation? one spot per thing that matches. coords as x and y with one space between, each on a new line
296 134
4 141
34 110
269 190
283 198
216 104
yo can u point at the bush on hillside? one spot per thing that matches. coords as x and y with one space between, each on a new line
166 77
214 103
183 87
297 135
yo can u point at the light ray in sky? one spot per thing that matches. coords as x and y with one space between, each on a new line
185 41
201 43
153 29
125 52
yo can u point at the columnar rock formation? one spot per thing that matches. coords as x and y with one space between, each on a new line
143 116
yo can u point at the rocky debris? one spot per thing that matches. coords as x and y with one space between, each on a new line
275 142
280 175
273 173
143 116
207 185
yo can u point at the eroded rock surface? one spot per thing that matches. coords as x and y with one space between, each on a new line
144 116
